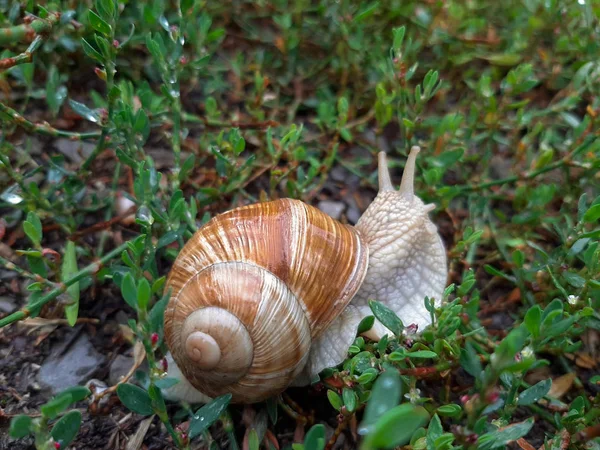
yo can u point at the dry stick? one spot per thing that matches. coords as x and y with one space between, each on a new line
61 288
44 127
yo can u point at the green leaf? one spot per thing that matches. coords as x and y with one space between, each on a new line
91 51
129 290
57 405
422 354
366 324
99 24
396 426
77 393
450 410
31 233
135 399
387 317
253 440
532 394
20 426
350 399
166 383
69 268
66 428
592 214
315 438
335 399
533 320
398 37
366 12
434 431
85 112
502 437
144 293
469 360
385 395
208 414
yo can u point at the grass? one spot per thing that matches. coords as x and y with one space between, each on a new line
181 110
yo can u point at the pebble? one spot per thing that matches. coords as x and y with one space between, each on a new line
74 367
119 368
7 305
74 150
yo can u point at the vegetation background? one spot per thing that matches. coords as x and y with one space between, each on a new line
126 125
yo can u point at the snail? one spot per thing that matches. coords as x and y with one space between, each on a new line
268 295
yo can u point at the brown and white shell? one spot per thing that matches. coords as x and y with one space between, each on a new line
251 290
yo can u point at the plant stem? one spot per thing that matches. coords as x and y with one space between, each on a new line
61 288
25 57
42 128
26 274
565 161
27 32
110 77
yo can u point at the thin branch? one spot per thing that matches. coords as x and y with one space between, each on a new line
42 128
27 31
61 288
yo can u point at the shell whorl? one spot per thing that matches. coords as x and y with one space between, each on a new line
250 291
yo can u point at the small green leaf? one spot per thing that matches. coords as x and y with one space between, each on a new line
366 324
385 395
366 12
434 431
450 410
208 414
20 426
335 399
388 434
469 360
56 405
398 37
66 428
99 24
532 394
91 51
350 399
502 437
135 399
129 290
33 228
144 292
315 438
387 317
422 354
69 268
592 214
533 320
85 112
166 383
253 440
77 393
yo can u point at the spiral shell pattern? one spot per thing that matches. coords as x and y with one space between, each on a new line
250 291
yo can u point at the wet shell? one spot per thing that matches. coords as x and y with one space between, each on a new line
250 291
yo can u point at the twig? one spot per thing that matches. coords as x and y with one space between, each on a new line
27 31
61 288
23 58
565 161
26 274
44 127
139 354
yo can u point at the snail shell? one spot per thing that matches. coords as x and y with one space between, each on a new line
252 289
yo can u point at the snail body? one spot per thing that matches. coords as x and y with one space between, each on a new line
268 295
